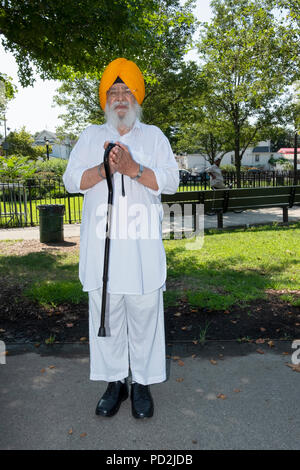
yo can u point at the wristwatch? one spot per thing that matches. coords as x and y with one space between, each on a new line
141 169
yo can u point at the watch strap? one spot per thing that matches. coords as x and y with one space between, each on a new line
141 169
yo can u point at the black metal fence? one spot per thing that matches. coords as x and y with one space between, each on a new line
249 179
19 199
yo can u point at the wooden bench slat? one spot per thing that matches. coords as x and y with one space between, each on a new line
284 199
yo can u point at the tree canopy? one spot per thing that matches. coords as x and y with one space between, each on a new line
7 92
167 103
22 143
249 60
60 38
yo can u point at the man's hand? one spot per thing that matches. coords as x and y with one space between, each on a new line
121 160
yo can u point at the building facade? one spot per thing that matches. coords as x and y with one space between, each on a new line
59 149
254 157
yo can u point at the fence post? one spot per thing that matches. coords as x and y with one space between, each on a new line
30 201
69 204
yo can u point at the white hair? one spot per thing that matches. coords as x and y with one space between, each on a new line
134 112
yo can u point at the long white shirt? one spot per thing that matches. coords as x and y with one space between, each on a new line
217 172
137 263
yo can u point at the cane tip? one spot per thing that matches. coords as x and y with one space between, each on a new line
102 332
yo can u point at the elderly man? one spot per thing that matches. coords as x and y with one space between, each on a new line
143 166
215 173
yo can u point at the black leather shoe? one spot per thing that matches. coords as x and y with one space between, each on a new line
110 402
141 401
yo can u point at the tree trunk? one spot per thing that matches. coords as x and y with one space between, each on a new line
237 159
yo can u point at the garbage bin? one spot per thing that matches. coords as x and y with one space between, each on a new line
51 222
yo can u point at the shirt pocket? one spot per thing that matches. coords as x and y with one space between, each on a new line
142 157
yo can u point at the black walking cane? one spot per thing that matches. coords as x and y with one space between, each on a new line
107 237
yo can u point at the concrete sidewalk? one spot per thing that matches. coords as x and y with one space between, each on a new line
230 219
48 401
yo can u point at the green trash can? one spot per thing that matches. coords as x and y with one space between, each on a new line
51 222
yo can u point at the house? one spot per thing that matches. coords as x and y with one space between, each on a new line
256 157
288 154
59 149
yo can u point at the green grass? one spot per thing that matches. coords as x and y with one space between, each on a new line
233 267
55 293
291 299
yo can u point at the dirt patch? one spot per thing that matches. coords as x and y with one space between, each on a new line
23 247
22 320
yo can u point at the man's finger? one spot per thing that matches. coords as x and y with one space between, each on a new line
122 146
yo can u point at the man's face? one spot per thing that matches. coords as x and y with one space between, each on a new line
120 99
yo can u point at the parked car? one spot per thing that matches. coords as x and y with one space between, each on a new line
199 178
184 176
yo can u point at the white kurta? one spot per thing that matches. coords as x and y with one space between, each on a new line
217 172
137 262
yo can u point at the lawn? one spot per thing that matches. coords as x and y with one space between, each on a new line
233 268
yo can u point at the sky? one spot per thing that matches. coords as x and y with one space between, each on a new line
33 106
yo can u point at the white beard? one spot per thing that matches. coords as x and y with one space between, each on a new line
127 121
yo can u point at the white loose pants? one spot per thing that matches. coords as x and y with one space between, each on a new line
135 337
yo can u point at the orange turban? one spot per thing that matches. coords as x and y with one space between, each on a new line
131 75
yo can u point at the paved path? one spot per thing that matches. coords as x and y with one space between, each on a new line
46 392
48 401
230 219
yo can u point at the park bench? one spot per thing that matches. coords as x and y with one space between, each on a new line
220 201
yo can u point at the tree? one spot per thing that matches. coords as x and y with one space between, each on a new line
204 134
7 90
7 93
281 137
63 38
248 65
167 104
21 143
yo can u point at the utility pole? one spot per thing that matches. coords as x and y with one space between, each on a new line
295 158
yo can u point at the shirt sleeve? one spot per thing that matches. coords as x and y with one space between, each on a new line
165 169
77 164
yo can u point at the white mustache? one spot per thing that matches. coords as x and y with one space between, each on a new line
118 103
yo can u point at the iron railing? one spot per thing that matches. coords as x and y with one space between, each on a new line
249 179
19 199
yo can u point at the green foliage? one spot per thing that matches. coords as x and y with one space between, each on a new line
21 143
228 168
242 51
63 38
167 102
53 167
16 166
7 92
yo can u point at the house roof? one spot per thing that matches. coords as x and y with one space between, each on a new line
288 151
51 136
261 149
